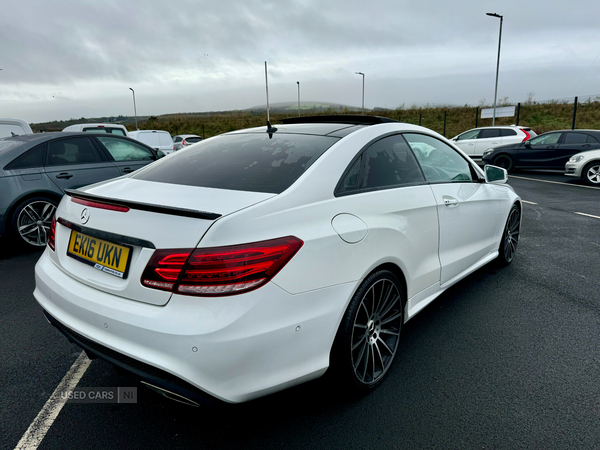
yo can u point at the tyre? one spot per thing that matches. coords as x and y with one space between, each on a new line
591 173
369 333
504 161
31 221
510 237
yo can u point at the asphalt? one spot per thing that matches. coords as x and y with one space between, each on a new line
507 358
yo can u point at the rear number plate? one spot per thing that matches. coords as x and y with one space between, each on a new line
100 254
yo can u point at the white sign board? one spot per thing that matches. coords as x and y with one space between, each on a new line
506 111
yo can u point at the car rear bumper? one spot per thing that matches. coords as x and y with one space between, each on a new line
234 348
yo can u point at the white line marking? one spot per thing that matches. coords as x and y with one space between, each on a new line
42 423
529 203
555 182
588 215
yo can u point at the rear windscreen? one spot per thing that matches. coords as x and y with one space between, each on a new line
109 130
193 139
242 162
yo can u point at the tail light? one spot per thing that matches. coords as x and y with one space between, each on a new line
219 270
184 142
100 205
527 135
52 234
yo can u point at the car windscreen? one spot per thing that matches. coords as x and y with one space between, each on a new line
243 162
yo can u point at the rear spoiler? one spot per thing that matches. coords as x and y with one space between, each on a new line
160 209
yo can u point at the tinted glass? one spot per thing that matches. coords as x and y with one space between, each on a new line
244 162
72 151
545 139
123 150
350 181
468 135
33 158
591 140
507 132
575 138
193 140
439 161
389 162
489 133
177 139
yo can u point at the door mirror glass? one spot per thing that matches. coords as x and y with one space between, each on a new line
496 175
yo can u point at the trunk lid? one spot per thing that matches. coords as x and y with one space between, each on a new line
109 249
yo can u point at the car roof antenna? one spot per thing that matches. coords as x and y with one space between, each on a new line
270 129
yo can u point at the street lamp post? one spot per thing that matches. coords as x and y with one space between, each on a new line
363 91
497 63
134 109
298 98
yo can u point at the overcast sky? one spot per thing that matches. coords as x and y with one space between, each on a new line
63 59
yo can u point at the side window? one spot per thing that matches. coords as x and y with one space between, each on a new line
122 150
350 181
489 133
507 132
439 161
468 135
33 158
591 140
546 139
178 139
389 162
575 138
77 150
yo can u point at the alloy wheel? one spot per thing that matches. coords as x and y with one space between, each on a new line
511 234
34 221
376 331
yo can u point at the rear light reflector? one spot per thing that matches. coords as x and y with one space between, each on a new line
52 234
527 135
100 205
219 270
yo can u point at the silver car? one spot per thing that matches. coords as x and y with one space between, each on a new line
35 170
183 140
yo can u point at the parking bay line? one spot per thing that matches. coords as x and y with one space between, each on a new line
46 417
529 203
588 215
555 182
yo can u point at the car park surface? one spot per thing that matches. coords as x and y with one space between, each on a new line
505 359
268 222
549 151
35 170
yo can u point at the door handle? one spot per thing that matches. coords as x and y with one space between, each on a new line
450 202
64 175
127 170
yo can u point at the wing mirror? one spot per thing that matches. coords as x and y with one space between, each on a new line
495 175
527 144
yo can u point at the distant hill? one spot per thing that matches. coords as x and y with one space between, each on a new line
304 106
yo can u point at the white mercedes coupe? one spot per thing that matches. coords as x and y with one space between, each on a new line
259 259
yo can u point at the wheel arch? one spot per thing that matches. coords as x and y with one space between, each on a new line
13 206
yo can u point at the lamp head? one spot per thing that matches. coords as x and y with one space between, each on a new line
494 15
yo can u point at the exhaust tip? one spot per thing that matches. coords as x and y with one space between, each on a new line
171 395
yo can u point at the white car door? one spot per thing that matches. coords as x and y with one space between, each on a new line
488 138
467 141
468 209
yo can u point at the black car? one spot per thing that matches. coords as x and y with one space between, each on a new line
547 151
35 170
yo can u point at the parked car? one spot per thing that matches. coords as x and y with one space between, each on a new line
157 139
299 247
109 128
183 140
585 165
549 150
36 169
474 142
13 127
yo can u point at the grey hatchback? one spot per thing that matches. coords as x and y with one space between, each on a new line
35 170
